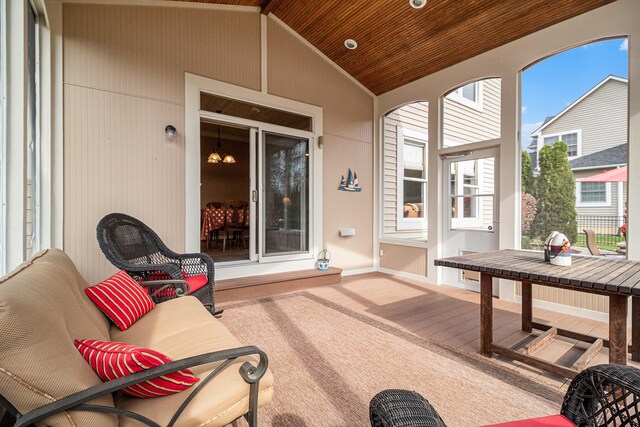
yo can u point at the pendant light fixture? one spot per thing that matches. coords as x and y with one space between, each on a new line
215 156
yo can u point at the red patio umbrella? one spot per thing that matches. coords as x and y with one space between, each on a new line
613 175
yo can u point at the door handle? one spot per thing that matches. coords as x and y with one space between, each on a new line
254 196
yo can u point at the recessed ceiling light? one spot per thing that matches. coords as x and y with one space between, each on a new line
417 4
350 44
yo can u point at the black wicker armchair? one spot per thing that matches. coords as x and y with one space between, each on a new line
131 245
600 396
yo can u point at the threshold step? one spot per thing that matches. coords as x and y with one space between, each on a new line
272 284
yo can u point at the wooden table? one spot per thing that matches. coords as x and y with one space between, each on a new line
617 279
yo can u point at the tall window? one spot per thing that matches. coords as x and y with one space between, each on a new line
33 188
405 154
585 107
3 170
412 177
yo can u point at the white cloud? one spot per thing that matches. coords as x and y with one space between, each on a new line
624 45
526 130
524 109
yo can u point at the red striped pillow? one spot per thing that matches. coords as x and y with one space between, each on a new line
112 360
121 298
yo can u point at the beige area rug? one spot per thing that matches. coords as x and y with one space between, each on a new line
328 362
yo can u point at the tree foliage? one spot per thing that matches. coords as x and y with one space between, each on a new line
555 191
527 173
529 204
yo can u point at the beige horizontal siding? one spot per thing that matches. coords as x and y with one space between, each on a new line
405 259
569 298
463 124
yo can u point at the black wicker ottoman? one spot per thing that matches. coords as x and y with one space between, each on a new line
402 408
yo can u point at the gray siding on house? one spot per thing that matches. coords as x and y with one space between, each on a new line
602 117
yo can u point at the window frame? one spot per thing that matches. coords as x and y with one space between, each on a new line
457 96
404 135
462 223
578 132
580 203
3 135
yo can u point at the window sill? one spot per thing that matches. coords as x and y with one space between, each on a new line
594 205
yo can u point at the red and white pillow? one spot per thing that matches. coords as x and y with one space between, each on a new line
121 299
112 360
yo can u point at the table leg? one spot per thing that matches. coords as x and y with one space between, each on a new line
618 329
486 314
635 328
527 307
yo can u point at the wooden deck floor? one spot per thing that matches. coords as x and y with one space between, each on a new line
450 316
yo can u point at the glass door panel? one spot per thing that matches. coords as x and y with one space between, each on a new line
285 195
471 186
472 194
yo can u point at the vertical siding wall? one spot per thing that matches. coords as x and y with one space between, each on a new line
406 259
296 72
124 82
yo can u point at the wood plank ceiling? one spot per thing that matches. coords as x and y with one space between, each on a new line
398 44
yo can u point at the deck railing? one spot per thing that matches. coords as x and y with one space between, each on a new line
606 229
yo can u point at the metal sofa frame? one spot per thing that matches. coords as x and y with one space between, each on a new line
78 401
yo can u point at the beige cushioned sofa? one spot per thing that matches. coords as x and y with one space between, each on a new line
43 309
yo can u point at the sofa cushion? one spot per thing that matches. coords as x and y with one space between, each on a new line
121 299
42 310
112 360
550 421
181 328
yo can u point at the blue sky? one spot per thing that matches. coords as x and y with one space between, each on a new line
551 85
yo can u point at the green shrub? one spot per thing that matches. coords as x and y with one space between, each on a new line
555 191
527 173
526 242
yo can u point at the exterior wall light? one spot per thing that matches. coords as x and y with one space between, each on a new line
171 132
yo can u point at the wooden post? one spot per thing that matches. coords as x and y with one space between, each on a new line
618 329
635 328
486 314
527 307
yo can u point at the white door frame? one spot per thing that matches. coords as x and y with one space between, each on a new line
485 240
194 85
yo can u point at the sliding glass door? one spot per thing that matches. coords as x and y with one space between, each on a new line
285 188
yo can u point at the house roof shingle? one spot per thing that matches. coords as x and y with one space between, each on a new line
611 156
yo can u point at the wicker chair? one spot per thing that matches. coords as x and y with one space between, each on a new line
600 396
131 245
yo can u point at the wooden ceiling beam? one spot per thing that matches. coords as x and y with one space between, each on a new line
267 6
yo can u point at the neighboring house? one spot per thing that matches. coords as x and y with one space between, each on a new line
595 129
471 113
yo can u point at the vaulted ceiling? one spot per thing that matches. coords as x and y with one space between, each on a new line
398 44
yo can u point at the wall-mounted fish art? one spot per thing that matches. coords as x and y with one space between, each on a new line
351 183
